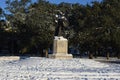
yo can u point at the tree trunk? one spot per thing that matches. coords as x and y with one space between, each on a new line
118 55
108 55
96 54
90 55
46 52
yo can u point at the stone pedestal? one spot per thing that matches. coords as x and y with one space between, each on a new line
60 49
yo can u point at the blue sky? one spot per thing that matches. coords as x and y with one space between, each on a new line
2 2
72 1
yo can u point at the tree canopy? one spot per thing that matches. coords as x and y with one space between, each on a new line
94 27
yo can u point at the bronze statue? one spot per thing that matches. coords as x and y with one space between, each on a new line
60 23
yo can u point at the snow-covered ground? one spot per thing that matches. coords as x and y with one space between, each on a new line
37 68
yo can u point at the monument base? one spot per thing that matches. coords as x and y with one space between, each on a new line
60 49
58 56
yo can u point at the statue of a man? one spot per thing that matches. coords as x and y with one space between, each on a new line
60 26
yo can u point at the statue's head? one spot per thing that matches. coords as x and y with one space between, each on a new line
60 15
